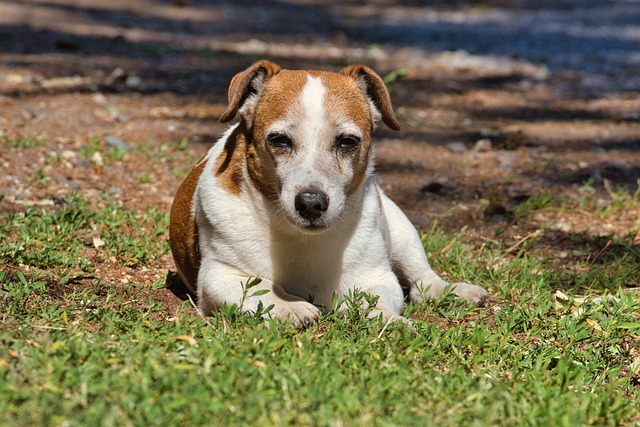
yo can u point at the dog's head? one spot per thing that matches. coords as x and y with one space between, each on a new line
308 136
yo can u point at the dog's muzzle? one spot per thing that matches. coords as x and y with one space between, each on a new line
311 204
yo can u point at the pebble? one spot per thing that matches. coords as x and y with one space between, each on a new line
114 141
68 155
82 163
457 147
133 82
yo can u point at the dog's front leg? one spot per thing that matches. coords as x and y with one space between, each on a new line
220 285
390 300
411 264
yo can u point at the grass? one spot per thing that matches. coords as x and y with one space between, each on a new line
77 350
21 142
97 151
62 238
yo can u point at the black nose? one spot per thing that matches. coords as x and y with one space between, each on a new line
311 204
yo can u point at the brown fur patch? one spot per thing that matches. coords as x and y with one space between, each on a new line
345 98
183 229
279 96
277 99
261 166
229 165
359 163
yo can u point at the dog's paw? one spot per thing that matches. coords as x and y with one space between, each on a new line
300 313
473 293
389 317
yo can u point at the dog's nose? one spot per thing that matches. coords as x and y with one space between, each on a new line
311 204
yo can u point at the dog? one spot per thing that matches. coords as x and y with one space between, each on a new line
288 195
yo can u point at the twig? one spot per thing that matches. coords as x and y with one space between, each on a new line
524 239
604 248
49 327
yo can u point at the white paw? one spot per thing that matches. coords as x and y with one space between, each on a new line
300 313
389 317
473 293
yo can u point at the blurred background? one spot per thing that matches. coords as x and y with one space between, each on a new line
516 115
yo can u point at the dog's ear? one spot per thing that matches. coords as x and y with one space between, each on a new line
247 83
375 89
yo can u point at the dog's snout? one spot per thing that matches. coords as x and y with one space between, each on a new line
311 204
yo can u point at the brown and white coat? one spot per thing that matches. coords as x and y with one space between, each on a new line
288 195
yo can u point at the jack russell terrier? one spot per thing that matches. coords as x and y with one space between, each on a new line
288 195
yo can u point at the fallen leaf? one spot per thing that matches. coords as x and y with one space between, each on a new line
186 338
97 241
259 363
594 324
560 298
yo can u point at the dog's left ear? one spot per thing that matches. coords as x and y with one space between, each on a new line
247 83
375 89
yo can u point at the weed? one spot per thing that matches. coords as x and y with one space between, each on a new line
395 75
98 153
182 144
179 172
533 203
144 178
21 142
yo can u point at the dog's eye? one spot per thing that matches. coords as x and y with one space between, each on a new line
347 142
280 141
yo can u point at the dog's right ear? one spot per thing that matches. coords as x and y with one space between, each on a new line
245 84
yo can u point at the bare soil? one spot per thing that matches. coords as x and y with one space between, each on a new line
502 101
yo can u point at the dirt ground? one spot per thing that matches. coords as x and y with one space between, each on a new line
502 101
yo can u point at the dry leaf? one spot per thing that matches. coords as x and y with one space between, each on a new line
97 241
595 324
259 363
560 298
186 338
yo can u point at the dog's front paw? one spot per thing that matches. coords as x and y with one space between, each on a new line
473 293
389 317
300 313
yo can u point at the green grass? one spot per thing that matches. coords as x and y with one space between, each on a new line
97 151
21 142
97 355
63 238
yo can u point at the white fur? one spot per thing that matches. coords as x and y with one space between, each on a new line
366 236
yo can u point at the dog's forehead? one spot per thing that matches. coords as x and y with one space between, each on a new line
291 92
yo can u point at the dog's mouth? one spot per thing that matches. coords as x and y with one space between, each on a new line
311 227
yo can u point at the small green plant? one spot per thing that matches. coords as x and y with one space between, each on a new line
98 153
395 75
21 142
261 311
620 198
182 144
179 172
144 178
533 203
39 179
